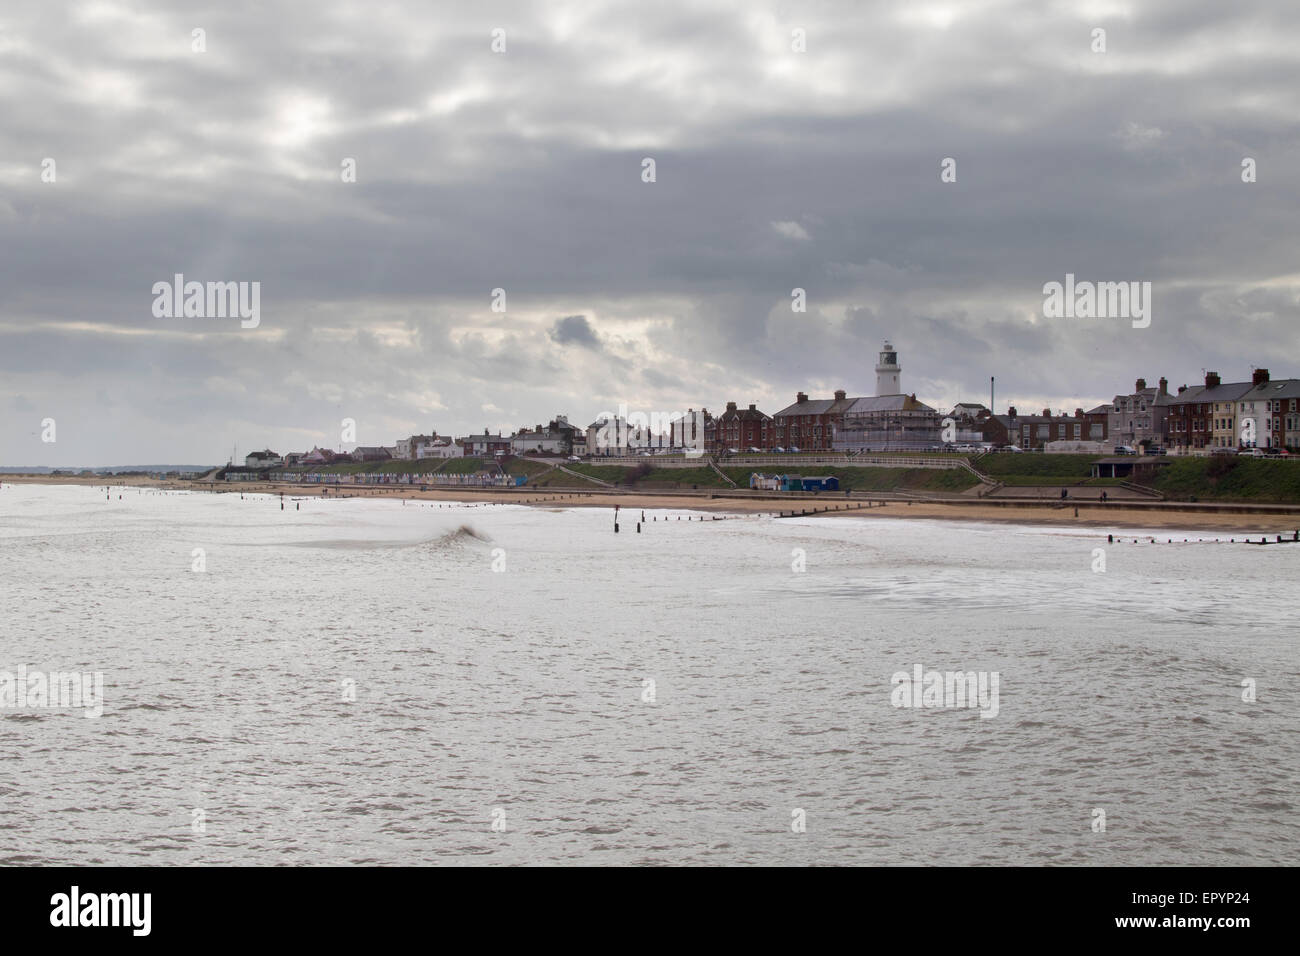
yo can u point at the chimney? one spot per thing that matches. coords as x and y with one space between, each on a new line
731 406
840 394
1011 411
1212 379
1078 413
1141 384
1047 413
1260 376
1164 385
801 398
751 406
1181 389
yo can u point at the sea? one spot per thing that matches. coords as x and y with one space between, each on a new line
362 681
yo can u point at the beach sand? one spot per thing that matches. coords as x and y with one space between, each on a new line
1049 513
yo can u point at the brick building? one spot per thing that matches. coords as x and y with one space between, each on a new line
1035 431
810 424
1193 425
739 429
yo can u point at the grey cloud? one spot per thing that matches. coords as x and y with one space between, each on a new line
575 330
522 171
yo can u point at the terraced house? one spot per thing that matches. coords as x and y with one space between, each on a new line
1035 431
1272 409
809 424
740 429
485 445
1192 424
1140 416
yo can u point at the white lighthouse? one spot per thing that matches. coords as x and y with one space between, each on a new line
887 372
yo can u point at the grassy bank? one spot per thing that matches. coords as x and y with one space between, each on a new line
1215 478
1229 478
648 478
422 466
1052 468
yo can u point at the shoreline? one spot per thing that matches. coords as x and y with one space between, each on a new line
1165 516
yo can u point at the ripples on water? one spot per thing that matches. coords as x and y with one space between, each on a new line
522 690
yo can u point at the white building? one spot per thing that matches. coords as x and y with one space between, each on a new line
430 447
538 442
888 420
556 438
603 437
888 372
1269 414
263 459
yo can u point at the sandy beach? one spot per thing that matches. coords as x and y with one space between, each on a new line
1089 515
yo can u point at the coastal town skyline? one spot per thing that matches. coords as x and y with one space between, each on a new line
448 227
1187 419
1099 422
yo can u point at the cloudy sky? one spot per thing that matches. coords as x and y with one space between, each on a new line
522 170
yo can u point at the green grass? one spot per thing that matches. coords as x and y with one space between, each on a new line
1035 465
1216 478
875 479
611 473
647 476
462 466
402 467
522 466
1228 478
685 477
851 479
423 466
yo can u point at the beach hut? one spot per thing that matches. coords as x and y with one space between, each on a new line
821 483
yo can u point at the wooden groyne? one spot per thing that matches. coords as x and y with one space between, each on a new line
1293 538
830 509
